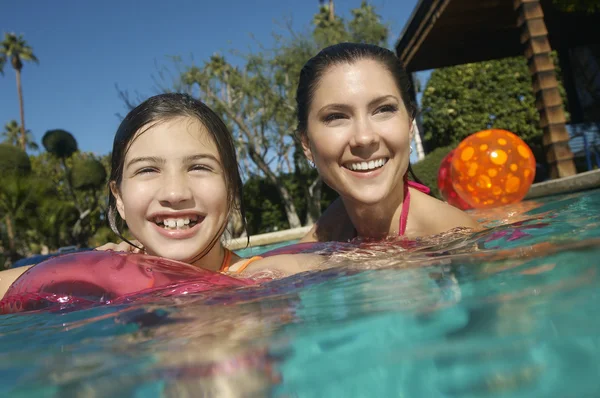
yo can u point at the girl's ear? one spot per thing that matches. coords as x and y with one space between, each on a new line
115 192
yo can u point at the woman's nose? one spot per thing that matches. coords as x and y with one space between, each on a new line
364 135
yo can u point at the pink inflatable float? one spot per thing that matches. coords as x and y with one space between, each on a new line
105 277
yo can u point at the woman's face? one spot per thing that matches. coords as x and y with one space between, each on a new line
359 132
173 194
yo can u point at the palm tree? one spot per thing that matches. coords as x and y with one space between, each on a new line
15 49
12 133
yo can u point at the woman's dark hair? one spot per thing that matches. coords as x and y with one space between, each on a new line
347 53
162 108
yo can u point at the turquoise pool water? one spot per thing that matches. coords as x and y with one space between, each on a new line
511 311
256 250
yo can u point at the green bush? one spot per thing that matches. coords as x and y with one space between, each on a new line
13 161
60 143
88 174
427 169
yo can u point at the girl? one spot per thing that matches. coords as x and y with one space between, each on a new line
174 182
355 122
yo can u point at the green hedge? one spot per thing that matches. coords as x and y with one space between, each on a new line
427 169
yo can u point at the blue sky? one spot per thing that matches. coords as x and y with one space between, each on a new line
85 48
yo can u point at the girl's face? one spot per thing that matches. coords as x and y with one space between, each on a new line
173 194
359 132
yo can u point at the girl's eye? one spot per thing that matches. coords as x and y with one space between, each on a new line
146 170
200 167
332 117
387 108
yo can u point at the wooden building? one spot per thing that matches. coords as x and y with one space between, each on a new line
453 32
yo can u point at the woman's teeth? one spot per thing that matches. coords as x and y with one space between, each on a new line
177 223
366 166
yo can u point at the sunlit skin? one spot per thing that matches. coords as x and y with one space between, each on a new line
173 170
356 115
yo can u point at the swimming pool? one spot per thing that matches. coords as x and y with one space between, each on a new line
256 250
511 311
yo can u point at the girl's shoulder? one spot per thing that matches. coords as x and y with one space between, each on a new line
278 266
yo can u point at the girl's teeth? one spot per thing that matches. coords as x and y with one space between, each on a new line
173 223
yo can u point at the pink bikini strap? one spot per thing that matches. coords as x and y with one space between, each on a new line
417 186
405 207
406 202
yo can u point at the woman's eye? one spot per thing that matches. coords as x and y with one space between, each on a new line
387 108
334 116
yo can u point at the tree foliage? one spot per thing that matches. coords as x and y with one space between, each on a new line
265 212
59 143
47 202
12 135
586 6
13 161
14 49
461 100
88 174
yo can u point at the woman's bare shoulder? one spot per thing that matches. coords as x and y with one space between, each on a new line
432 216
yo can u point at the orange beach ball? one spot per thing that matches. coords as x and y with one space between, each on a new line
444 183
492 168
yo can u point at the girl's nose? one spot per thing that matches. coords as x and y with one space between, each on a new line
175 190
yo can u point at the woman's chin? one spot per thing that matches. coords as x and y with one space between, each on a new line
366 198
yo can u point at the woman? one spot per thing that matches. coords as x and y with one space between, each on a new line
355 122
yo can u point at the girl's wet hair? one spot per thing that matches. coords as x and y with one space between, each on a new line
347 53
162 108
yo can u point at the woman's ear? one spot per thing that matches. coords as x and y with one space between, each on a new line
306 148
115 192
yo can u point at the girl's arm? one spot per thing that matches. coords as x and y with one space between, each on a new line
8 277
281 265
120 247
